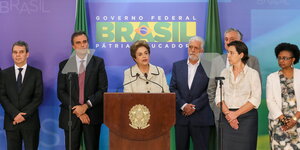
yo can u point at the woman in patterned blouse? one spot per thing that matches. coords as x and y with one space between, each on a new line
283 100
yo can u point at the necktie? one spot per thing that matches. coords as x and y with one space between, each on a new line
81 78
81 67
19 79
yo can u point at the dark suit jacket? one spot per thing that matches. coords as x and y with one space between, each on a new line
95 86
27 100
197 95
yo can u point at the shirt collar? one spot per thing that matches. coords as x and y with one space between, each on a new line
188 62
24 67
245 69
153 70
79 59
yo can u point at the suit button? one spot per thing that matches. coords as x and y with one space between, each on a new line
147 82
148 91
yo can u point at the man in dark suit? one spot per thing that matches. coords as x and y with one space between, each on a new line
21 93
87 89
194 115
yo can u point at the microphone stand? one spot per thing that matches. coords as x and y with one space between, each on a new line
70 110
137 76
146 76
220 129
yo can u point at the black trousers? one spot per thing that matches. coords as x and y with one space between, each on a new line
199 135
15 138
91 135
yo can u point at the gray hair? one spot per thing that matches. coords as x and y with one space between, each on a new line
234 30
197 38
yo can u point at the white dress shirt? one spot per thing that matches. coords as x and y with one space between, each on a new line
78 62
192 68
23 71
245 88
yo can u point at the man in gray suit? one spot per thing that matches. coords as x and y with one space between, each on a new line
230 35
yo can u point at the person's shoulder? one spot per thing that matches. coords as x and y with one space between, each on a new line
180 62
127 70
132 69
225 71
160 69
154 66
63 62
7 69
34 68
272 75
97 58
250 69
296 70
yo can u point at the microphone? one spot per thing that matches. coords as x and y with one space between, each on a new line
137 75
219 78
146 76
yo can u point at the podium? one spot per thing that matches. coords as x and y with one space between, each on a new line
139 121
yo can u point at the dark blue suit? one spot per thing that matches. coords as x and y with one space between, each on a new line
202 118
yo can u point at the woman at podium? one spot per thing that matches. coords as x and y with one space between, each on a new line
240 101
144 77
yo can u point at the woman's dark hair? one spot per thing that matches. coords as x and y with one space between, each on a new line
240 47
136 45
292 48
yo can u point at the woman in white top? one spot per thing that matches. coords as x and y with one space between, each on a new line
283 99
241 98
144 77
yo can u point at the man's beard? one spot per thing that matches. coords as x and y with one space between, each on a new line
193 57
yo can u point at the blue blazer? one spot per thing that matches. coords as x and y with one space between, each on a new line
197 95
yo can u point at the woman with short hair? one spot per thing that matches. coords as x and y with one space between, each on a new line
240 101
283 99
144 77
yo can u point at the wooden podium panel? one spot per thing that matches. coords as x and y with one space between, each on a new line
156 111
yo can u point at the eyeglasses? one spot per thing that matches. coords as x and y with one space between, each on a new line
284 58
192 47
